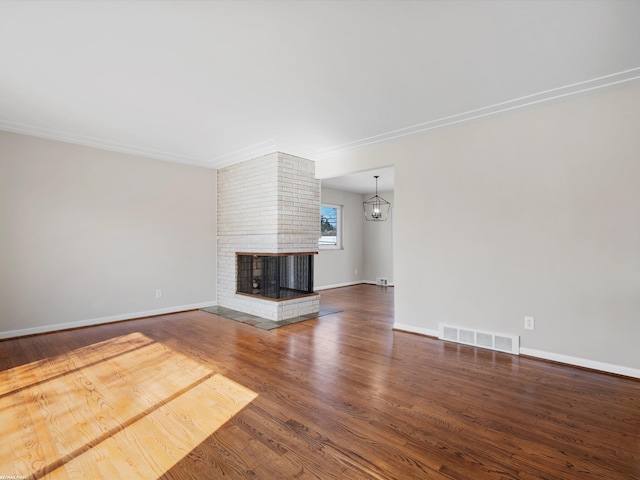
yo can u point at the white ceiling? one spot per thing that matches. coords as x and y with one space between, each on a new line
212 83
364 182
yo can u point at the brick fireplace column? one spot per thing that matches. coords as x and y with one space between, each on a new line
270 204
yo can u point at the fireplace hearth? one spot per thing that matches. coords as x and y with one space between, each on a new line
281 276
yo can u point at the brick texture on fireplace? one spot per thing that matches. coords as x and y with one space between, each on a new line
269 204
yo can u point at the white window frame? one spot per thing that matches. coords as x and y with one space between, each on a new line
338 245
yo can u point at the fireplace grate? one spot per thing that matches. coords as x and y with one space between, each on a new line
281 276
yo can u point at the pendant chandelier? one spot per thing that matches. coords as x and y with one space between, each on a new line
376 209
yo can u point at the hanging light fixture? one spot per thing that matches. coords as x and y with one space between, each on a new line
376 209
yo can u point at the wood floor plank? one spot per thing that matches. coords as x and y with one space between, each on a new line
194 395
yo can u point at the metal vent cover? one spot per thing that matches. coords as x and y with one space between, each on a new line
480 338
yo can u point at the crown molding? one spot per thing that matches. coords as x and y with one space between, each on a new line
261 149
548 96
256 150
271 145
100 143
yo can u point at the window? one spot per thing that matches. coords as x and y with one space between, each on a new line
330 226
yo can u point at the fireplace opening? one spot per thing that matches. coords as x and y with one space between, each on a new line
275 276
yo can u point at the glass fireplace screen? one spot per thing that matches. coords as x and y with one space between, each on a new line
277 276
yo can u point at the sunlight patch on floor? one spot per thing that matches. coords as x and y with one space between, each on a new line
125 408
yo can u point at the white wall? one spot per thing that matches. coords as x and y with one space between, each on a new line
533 213
89 235
338 267
378 245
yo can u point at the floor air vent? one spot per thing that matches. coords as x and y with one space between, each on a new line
478 338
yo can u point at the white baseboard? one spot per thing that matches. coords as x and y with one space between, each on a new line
555 357
581 362
102 320
373 282
338 285
347 284
412 329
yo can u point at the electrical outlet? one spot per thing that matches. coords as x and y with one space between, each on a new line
356 271
529 323
158 293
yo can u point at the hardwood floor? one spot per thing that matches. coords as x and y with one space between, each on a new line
194 395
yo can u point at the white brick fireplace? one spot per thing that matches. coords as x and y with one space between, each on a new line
268 205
